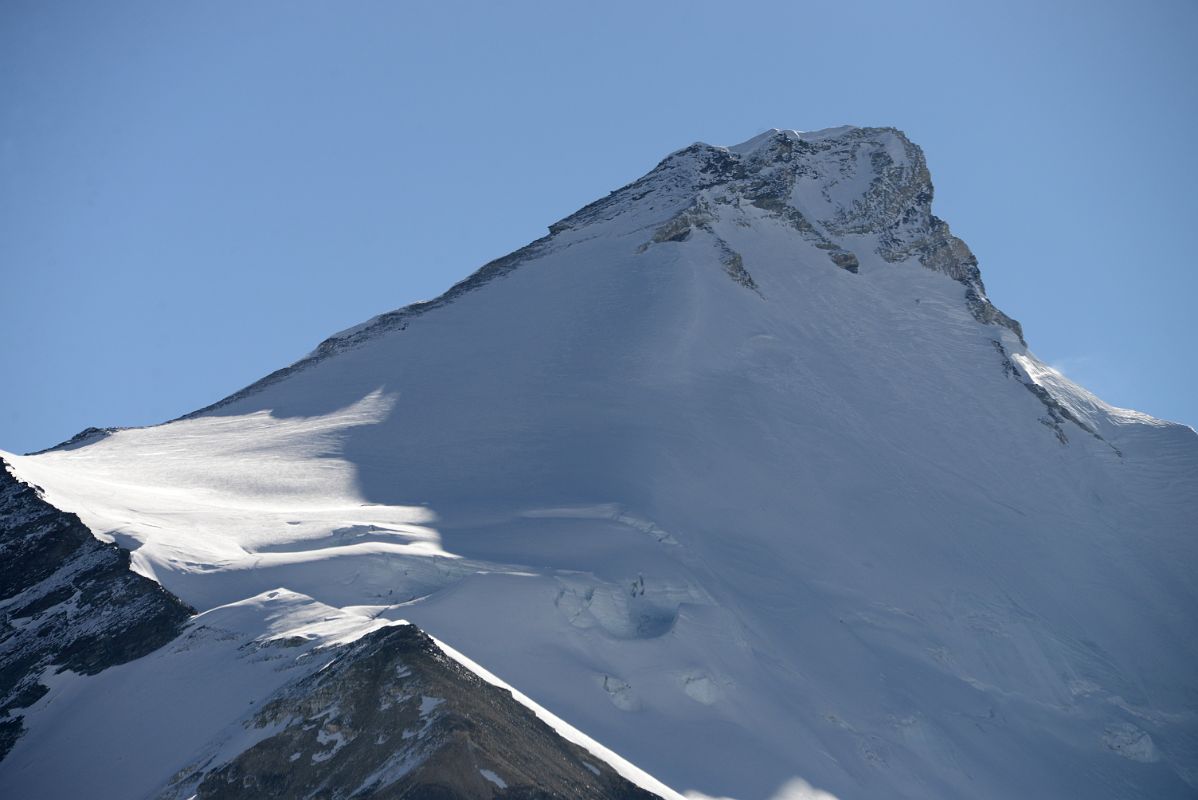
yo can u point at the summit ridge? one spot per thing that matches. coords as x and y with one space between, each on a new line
843 189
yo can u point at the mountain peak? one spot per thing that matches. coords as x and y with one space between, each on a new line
849 192
846 190
733 469
845 180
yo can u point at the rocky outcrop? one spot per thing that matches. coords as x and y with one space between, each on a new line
1056 413
894 205
394 717
801 182
698 217
67 601
83 438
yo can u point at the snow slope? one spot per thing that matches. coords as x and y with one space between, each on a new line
739 472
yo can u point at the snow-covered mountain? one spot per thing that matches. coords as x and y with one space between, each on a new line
738 471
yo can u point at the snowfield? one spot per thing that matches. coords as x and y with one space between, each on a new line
809 533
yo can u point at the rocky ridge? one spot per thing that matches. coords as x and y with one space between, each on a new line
67 601
392 716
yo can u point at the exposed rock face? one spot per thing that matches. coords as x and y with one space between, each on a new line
859 182
394 717
66 600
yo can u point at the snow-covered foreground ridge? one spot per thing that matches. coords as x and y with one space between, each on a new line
738 471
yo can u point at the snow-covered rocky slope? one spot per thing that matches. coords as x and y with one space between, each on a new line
68 600
277 695
738 470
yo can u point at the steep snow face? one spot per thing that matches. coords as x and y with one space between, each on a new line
737 470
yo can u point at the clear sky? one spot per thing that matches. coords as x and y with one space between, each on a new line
193 194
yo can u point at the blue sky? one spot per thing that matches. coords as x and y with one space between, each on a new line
194 194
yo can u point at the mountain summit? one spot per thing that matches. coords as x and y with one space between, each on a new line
831 185
738 471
